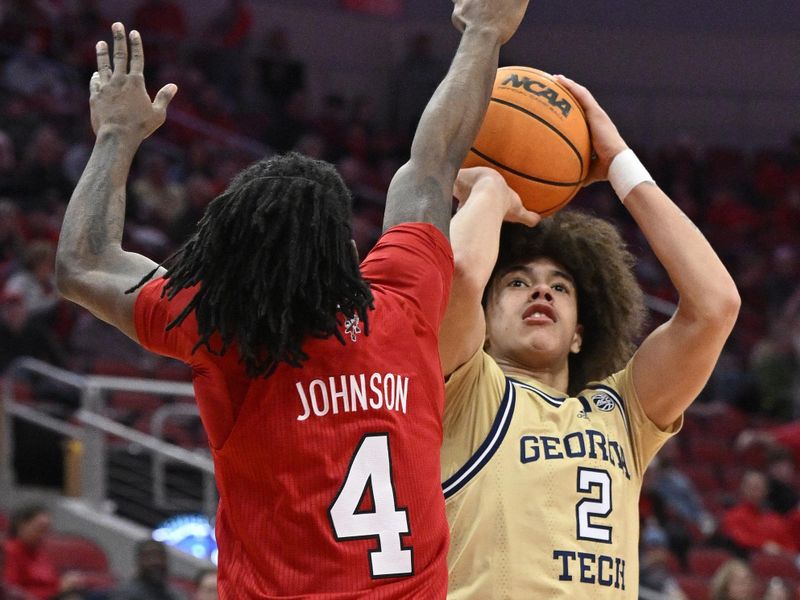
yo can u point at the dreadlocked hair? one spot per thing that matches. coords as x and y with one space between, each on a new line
610 302
273 264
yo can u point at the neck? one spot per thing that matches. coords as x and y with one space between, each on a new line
556 378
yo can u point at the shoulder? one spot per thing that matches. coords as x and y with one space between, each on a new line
478 369
477 384
417 237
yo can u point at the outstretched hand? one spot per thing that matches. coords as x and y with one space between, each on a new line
118 97
606 140
488 181
500 16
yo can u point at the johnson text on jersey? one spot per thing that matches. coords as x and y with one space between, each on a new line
352 393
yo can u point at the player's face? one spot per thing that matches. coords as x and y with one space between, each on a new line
532 316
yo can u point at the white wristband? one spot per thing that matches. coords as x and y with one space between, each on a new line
626 172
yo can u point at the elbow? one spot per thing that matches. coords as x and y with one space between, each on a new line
722 311
66 274
729 304
466 279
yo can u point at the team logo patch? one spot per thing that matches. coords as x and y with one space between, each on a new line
603 402
352 327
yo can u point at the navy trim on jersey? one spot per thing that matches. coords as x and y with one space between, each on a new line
552 400
489 446
617 400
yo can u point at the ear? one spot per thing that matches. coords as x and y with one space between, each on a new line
355 252
577 340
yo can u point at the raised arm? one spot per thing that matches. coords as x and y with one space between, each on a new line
92 269
485 202
421 189
675 361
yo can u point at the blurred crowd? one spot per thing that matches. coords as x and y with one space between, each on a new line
39 564
244 96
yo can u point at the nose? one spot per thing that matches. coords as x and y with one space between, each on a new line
542 292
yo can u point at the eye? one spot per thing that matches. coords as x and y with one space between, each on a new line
560 287
517 283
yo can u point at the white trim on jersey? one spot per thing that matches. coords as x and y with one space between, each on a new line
552 400
489 446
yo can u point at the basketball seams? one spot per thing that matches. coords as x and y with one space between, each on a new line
517 138
513 171
551 127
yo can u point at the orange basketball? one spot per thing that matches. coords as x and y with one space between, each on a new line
535 134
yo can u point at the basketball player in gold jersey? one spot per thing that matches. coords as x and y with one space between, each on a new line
549 422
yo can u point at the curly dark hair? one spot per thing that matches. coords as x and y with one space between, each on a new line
610 302
273 263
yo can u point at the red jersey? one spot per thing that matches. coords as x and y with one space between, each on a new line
30 569
329 474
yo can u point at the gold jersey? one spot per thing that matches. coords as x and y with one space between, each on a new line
542 490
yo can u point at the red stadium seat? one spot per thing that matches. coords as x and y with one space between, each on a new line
774 565
173 372
185 585
74 553
137 402
705 561
116 368
704 476
710 451
730 424
694 586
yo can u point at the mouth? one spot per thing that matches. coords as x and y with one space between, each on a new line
538 313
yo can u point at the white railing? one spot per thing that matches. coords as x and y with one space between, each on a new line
93 428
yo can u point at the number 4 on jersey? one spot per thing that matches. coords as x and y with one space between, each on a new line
371 468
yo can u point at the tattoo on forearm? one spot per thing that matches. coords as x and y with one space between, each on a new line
100 213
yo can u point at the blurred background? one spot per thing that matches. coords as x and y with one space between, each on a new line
101 444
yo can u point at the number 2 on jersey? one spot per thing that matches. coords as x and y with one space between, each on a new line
371 467
599 507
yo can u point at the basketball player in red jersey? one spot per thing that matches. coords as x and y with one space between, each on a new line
319 383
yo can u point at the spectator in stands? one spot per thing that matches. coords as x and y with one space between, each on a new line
677 491
27 566
206 585
23 336
34 282
199 193
225 42
733 581
159 200
12 243
281 75
413 81
655 574
750 526
44 183
783 494
775 364
778 589
786 436
32 75
8 591
152 574
163 24
8 166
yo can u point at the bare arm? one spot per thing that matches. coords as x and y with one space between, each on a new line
91 267
475 237
421 189
684 350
